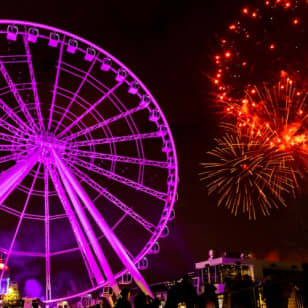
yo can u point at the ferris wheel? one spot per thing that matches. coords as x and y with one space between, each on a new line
88 164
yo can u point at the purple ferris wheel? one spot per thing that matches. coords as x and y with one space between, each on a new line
88 164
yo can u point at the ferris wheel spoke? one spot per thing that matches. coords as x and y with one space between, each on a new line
10 138
87 255
76 93
17 96
113 199
10 147
11 157
114 242
11 128
118 178
55 86
87 111
33 83
9 112
103 123
9 252
86 225
119 158
12 177
127 138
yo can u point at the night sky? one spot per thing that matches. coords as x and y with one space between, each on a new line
168 44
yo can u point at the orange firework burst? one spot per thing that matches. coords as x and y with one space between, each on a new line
246 174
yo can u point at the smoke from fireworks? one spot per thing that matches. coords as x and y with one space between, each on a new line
260 89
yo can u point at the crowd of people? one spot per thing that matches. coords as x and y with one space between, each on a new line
240 292
140 300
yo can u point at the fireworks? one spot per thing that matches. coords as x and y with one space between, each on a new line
260 89
279 110
246 173
259 45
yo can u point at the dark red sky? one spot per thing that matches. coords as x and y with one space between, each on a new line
167 44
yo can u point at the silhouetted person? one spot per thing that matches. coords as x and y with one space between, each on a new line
304 284
285 291
208 299
106 302
246 289
235 290
140 300
123 299
227 293
188 294
173 296
276 293
152 302
271 292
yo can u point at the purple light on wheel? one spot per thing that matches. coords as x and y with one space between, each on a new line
88 164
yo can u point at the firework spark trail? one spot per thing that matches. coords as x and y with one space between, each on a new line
277 111
247 174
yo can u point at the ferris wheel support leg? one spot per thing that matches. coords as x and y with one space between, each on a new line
15 175
79 235
102 224
88 229
91 235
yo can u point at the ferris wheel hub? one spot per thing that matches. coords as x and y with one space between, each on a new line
47 141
